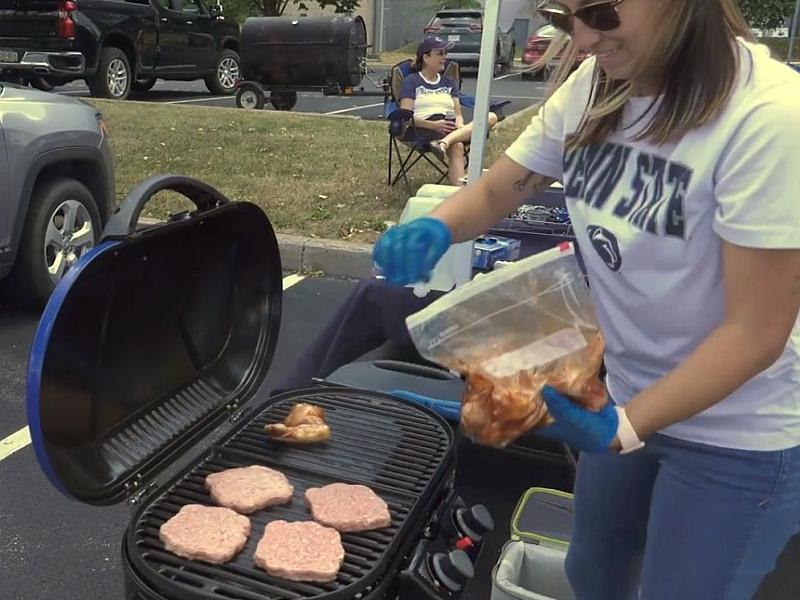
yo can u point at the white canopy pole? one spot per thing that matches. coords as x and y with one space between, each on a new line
480 114
792 30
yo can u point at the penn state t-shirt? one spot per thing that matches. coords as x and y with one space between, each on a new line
651 221
430 97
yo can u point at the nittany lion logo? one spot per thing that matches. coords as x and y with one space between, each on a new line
606 246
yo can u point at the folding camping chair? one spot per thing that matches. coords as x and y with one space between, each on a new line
402 130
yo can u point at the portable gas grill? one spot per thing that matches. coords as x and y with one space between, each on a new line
157 337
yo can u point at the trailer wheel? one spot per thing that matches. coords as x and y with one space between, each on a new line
250 96
283 100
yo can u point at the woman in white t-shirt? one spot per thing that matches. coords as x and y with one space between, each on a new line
434 99
678 146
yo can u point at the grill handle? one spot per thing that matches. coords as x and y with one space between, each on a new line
124 220
415 369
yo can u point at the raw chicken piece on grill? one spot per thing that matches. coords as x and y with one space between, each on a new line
305 424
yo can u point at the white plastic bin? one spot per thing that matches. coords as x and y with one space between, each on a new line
529 571
531 565
455 267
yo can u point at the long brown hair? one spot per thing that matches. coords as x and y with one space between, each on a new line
696 54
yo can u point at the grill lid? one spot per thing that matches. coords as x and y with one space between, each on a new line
151 340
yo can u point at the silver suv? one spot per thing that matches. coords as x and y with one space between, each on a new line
56 188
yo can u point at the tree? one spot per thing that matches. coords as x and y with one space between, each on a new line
767 14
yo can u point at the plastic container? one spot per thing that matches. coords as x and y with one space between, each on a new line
531 565
455 267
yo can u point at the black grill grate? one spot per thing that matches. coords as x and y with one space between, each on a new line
400 451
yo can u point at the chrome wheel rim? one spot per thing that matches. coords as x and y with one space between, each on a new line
117 77
228 73
69 235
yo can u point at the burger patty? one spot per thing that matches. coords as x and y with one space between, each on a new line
348 508
249 489
208 533
300 551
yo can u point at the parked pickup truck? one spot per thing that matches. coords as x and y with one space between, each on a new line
117 45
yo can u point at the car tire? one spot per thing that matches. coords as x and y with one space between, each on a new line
283 100
114 77
226 74
142 86
59 208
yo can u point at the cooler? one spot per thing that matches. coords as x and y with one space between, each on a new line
531 565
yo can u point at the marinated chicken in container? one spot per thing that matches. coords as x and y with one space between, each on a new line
501 402
305 424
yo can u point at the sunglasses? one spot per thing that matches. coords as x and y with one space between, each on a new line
600 16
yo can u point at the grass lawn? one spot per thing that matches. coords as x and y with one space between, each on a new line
312 175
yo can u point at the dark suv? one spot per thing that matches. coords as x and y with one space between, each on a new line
464 29
56 188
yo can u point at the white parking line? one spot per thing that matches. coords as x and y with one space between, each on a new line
22 438
16 441
209 99
291 280
344 110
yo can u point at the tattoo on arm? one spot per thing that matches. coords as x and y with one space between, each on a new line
532 181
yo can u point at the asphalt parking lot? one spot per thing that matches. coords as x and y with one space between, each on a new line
522 93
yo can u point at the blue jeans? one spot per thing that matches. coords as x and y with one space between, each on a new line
679 520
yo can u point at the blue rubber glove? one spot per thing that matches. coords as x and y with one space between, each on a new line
582 429
407 253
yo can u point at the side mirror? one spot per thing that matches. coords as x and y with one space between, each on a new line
215 10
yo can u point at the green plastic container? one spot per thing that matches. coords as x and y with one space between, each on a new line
543 516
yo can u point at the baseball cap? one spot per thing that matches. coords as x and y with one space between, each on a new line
432 42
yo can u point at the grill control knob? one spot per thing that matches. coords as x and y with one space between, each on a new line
474 522
452 570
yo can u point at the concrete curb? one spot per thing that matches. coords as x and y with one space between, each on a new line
331 257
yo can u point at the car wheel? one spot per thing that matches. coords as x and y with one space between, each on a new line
250 96
142 86
226 75
113 78
283 100
63 223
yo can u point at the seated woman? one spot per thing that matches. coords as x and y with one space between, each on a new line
437 111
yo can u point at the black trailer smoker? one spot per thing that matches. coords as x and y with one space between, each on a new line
157 337
287 55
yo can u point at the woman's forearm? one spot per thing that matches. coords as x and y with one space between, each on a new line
424 123
472 210
725 361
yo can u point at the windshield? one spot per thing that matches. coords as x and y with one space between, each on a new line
456 20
